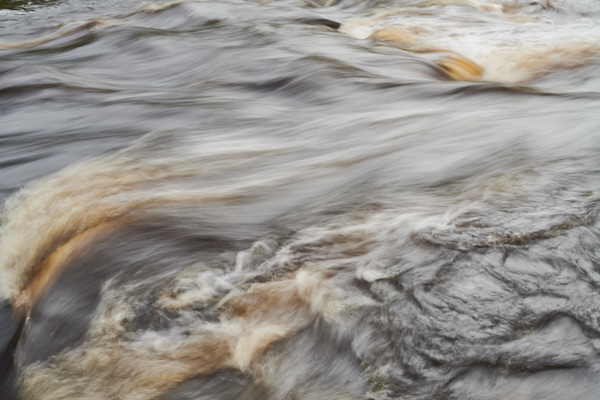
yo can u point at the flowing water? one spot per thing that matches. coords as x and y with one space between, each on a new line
300 199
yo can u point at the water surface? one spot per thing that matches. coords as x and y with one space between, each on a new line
300 199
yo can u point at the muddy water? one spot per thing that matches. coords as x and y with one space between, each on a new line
300 200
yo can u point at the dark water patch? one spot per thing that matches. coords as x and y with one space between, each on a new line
10 334
481 383
322 22
25 4
130 262
225 385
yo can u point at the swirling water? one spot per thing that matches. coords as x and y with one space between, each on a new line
300 199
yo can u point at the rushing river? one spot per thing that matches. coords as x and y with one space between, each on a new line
300 200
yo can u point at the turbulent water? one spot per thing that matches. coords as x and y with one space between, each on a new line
269 200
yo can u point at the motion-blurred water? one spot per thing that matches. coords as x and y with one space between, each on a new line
300 199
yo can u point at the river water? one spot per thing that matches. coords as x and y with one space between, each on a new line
269 200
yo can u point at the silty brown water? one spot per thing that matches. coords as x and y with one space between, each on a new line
300 200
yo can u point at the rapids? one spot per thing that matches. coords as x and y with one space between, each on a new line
300 199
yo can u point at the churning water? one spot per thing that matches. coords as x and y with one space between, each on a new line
300 199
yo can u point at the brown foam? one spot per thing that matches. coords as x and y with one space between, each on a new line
109 366
460 68
46 215
45 274
394 34
454 65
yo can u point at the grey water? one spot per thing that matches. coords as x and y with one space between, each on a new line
296 199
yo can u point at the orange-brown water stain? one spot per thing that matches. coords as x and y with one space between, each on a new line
41 278
460 68
38 279
510 64
49 215
268 313
502 64
394 34
251 320
526 64
126 370
323 292
560 57
454 65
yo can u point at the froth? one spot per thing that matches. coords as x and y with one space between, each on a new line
252 319
41 223
502 42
